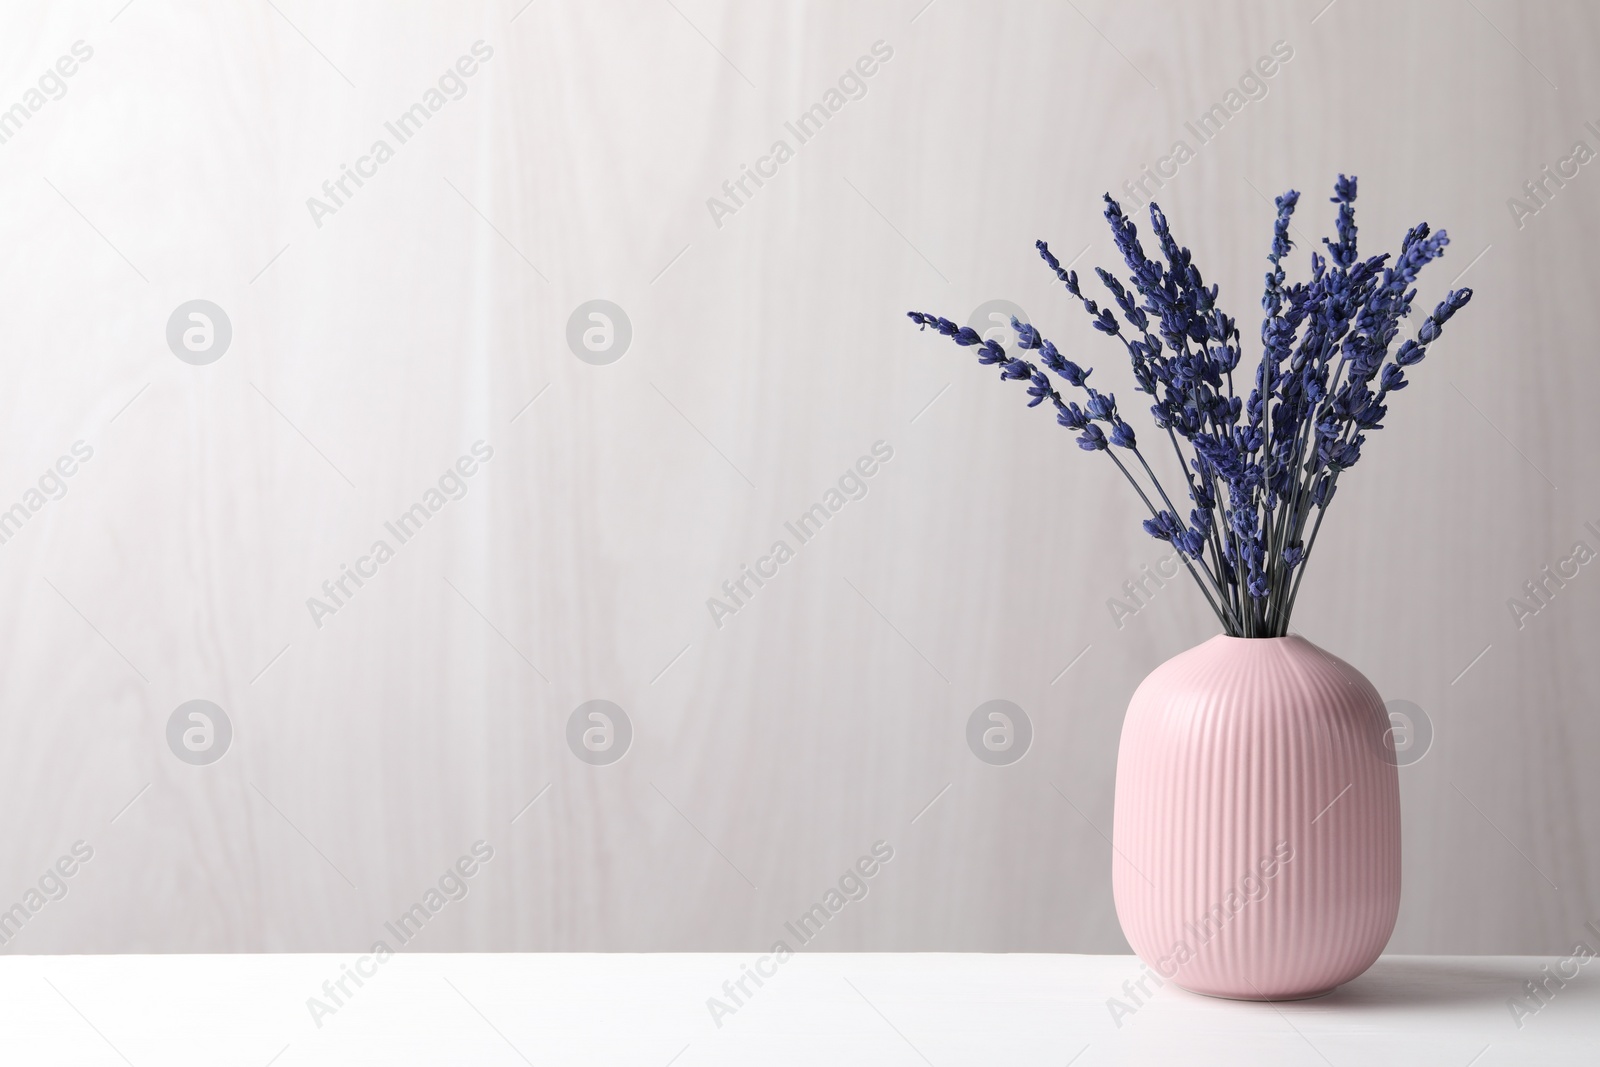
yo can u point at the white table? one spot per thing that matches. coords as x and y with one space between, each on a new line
886 1009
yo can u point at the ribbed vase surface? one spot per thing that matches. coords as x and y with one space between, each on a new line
1257 824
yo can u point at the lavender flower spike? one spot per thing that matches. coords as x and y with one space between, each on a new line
1260 470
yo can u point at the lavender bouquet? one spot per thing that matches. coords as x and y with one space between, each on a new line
1257 468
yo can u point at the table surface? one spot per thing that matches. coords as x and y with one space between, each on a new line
814 1008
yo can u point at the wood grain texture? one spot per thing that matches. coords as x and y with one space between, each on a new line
768 354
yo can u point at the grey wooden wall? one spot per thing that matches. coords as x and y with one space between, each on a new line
378 336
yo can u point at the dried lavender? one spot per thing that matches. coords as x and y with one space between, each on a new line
1257 470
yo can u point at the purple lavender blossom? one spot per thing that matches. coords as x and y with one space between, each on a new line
1260 468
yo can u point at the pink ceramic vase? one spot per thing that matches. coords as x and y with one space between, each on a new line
1257 826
